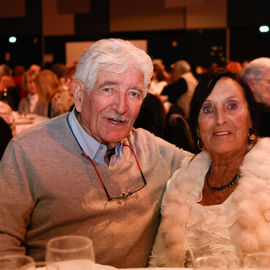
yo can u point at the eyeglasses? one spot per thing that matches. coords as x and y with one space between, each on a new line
123 195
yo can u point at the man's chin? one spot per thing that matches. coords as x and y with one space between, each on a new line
116 138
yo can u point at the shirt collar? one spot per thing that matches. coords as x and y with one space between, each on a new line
90 146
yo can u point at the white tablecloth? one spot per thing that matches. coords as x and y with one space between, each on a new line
24 122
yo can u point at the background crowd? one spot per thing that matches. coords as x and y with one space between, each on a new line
215 202
47 91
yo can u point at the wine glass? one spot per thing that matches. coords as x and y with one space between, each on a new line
258 260
210 262
41 265
15 262
225 260
71 250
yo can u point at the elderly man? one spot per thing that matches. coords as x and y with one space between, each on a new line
57 179
257 75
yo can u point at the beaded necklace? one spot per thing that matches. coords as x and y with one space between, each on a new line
232 182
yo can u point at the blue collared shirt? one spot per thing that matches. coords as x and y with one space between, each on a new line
90 146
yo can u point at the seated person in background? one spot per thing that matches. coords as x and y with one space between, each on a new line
57 178
159 78
60 70
18 72
152 115
176 130
6 113
69 77
5 135
218 202
257 75
57 98
182 86
31 103
9 93
234 67
35 67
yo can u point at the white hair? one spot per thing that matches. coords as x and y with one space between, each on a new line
107 53
256 68
182 66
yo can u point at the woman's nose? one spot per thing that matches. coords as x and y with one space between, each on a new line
221 117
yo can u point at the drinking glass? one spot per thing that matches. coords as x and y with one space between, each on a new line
210 262
71 251
42 265
259 260
15 262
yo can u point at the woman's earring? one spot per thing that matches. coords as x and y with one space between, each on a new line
199 144
252 137
199 141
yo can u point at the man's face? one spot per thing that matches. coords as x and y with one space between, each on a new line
261 89
109 111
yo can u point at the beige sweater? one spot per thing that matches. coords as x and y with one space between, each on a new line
47 189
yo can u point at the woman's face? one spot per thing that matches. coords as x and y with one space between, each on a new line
31 85
224 119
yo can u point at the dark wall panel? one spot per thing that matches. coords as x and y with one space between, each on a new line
94 22
248 43
30 24
198 47
248 13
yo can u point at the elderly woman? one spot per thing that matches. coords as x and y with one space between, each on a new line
218 202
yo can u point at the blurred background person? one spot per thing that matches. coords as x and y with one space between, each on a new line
257 74
244 63
152 115
31 103
18 72
5 135
60 70
177 131
9 93
234 66
35 67
182 86
53 94
69 77
159 79
6 113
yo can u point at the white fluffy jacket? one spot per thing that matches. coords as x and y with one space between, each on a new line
251 200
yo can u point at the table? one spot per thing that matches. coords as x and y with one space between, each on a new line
24 122
86 265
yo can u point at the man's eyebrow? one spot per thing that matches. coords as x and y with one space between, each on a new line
108 83
116 83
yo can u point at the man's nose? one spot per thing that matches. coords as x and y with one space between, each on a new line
120 103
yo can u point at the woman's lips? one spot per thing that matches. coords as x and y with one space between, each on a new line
221 133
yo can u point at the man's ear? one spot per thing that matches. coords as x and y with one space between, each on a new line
78 94
251 84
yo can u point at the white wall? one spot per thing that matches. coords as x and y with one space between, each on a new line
75 49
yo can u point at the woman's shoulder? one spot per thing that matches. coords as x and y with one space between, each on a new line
188 180
256 163
195 166
259 153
